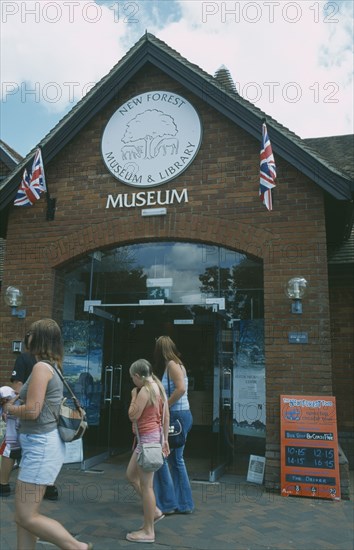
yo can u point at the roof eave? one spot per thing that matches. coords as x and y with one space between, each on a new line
7 160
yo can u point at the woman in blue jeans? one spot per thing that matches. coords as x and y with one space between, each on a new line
172 488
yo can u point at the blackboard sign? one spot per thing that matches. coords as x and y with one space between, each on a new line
309 447
310 457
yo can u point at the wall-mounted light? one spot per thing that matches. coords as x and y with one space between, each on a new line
17 346
13 298
295 290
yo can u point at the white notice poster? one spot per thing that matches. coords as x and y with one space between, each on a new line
249 414
73 452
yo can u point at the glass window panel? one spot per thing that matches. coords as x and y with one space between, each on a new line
178 272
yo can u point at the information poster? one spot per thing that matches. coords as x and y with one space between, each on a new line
82 365
74 452
309 447
249 414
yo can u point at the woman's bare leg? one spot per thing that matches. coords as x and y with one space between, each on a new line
149 502
142 483
134 478
32 525
132 473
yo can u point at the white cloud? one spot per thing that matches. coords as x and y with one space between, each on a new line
55 51
293 60
276 56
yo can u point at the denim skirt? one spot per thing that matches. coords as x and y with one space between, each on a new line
42 457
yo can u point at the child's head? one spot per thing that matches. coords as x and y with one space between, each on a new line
6 393
142 375
140 370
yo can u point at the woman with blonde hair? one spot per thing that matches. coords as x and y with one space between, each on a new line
43 451
172 488
147 409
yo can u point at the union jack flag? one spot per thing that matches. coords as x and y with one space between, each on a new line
37 176
268 171
32 185
26 195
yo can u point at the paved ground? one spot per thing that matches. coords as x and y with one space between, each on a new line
100 506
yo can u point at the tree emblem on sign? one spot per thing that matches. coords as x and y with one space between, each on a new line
156 130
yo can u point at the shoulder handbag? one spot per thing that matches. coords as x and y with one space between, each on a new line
176 434
72 423
151 457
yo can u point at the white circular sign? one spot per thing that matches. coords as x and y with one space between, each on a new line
151 139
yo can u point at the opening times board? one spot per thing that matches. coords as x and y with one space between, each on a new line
309 447
309 457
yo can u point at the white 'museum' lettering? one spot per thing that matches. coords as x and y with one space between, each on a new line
146 198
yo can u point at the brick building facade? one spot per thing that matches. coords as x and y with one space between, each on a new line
312 209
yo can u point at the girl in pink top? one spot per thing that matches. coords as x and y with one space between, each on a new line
148 411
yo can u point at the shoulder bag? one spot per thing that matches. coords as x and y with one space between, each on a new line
176 434
72 423
151 457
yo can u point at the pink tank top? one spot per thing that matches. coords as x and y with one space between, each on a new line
151 418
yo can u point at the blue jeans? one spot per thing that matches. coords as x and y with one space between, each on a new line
171 482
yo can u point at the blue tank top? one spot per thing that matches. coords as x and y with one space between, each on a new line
182 404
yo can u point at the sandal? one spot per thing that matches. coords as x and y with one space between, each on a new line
156 520
159 518
132 538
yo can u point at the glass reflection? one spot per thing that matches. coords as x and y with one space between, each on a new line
177 272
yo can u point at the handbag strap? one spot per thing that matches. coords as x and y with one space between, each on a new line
168 382
75 399
137 431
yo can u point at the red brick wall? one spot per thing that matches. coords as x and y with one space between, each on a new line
223 209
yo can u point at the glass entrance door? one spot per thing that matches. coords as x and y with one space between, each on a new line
111 406
225 366
129 334
83 359
223 396
99 352
93 370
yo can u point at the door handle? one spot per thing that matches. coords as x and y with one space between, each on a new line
117 374
108 384
226 388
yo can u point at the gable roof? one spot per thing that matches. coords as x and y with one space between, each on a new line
338 150
149 49
9 156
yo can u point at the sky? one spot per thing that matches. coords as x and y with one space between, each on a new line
293 60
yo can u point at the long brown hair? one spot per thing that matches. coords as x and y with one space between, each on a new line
46 341
165 351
